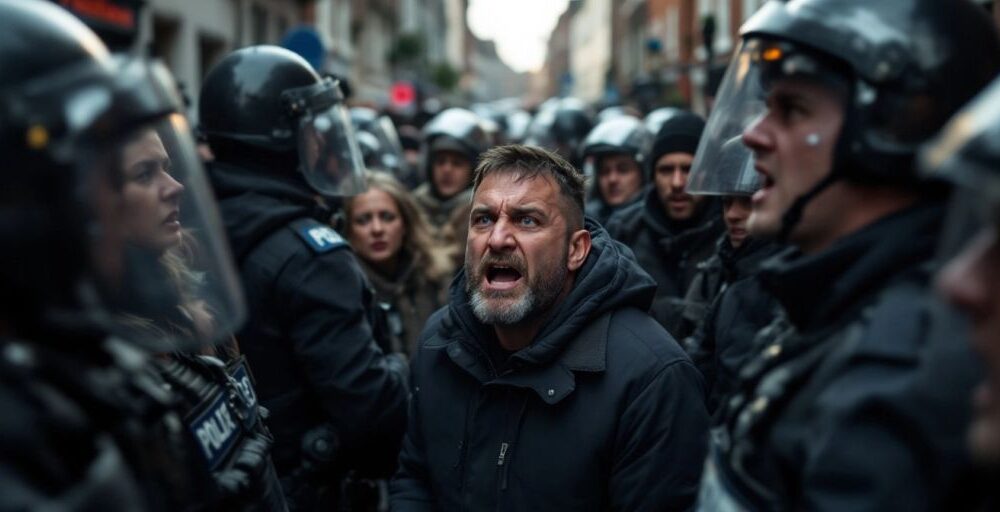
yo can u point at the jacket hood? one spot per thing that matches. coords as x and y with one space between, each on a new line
610 279
256 202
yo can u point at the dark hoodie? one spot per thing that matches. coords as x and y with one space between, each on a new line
601 411
669 251
308 336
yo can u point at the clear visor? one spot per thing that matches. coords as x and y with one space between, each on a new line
973 209
590 164
165 276
391 154
722 164
328 153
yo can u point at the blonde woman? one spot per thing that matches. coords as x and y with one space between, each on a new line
393 241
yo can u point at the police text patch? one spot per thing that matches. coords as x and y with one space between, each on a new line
320 237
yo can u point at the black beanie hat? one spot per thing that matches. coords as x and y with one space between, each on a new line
679 134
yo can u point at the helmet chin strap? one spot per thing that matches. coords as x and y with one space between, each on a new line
793 215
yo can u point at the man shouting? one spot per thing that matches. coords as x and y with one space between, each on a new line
544 385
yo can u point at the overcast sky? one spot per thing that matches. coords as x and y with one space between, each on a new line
520 28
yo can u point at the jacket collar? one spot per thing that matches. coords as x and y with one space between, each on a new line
552 382
573 339
818 289
738 263
394 285
674 236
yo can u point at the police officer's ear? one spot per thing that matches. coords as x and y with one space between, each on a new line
579 248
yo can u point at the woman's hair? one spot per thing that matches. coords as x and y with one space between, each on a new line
417 239
193 318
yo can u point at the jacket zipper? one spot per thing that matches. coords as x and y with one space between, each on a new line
511 438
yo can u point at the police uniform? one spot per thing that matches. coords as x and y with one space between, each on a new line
842 406
88 425
223 416
336 401
855 396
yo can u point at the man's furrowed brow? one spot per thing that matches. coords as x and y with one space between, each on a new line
481 209
521 211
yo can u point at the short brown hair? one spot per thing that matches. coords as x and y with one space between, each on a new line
528 162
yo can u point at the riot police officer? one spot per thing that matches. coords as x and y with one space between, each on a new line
284 150
452 143
560 125
967 154
670 231
615 159
387 150
854 398
726 304
88 423
655 119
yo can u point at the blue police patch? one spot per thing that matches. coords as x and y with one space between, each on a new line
216 430
320 237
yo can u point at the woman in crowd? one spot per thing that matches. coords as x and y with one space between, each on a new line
159 250
197 357
394 244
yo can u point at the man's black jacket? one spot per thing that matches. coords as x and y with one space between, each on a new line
857 395
603 411
308 336
669 252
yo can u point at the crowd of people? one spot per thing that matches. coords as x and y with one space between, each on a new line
304 304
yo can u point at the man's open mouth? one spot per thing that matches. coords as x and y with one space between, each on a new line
501 274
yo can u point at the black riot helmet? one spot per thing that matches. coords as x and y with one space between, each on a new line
454 129
619 135
966 154
655 119
517 124
389 150
614 111
86 137
903 66
269 99
560 126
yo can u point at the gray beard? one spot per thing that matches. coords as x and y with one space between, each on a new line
538 299
514 314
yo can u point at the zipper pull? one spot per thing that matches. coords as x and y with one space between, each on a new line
503 454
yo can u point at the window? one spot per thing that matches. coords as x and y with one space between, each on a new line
258 17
